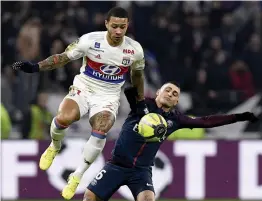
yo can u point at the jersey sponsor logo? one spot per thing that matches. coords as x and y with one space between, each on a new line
135 128
127 51
97 50
110 70
108 73
126 61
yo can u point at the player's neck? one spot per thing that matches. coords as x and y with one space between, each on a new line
165 109
111 42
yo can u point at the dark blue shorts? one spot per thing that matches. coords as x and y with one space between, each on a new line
112 177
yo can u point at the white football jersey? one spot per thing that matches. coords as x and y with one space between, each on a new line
105 67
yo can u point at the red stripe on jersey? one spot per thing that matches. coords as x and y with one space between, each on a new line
97 66
138 154
93 64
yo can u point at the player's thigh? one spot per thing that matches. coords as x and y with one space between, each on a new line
107 181
146 195
90 196
73 107
103 111
140 181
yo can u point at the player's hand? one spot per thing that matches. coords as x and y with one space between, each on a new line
246 116
26 66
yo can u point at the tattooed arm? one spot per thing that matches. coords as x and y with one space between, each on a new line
137 79
74 51
137 72
54 61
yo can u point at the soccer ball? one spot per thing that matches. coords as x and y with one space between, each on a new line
152 127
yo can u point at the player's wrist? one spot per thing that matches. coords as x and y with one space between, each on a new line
35 68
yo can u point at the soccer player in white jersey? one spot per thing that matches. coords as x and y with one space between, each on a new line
107 57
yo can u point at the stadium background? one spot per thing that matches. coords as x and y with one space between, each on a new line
213 49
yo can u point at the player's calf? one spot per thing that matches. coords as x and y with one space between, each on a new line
90 196
67 114
146 195
101 124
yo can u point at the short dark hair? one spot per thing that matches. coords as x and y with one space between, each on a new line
117 12
174 83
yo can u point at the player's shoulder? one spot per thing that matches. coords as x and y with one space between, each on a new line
176 114
95 35
151 104
134 44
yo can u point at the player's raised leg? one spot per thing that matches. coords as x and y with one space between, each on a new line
67 114
101 123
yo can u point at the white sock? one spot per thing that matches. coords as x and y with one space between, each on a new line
93 147
57 134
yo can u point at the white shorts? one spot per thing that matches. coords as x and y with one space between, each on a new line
91 101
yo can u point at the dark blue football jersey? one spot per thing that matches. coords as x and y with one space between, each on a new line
132 150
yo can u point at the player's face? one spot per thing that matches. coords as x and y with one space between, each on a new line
168 95
117 28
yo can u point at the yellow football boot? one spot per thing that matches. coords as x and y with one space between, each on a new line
70 189
47 158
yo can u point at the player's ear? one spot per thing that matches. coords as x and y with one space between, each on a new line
177 101
106 24
157 92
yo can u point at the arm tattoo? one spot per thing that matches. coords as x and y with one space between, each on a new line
53 62
137 79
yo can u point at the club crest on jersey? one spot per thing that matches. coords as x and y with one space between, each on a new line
126 61
110 70
97 45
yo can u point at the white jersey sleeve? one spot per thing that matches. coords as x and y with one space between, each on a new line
79 48
139 63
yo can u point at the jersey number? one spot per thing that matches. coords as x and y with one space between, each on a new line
100 174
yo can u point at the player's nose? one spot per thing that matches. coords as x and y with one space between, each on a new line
118 31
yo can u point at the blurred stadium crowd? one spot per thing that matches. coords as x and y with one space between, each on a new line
213 49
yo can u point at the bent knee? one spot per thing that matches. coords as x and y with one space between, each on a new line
67 118
146 195
102 121
90 196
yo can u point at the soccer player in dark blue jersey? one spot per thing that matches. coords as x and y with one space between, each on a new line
133 157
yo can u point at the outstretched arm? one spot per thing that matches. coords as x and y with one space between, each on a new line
74 51
214 120
54 61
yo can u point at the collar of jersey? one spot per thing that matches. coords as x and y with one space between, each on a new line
159 110
106 42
